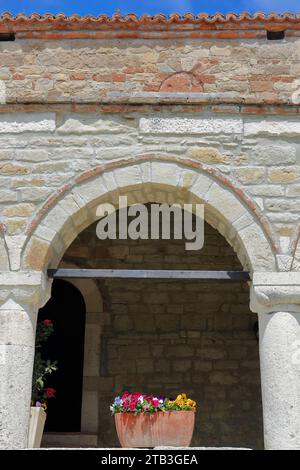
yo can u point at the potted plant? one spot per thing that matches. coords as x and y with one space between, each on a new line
152 421
40 394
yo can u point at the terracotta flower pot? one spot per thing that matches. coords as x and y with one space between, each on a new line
168 428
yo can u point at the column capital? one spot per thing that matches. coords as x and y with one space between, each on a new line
275 291
29 289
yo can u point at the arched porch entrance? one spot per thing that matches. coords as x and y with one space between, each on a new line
169 182
167 336
163 179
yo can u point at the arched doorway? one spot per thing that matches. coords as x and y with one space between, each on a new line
233 215
66 310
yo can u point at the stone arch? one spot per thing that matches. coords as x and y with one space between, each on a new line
4 260
295 248
151 178
4 255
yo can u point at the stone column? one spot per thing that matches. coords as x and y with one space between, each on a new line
276 299
21 295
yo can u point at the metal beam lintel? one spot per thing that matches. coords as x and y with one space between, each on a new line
146 274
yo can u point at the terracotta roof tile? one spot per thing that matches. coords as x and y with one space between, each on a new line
159 22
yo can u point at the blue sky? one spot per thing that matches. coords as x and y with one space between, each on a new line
96 7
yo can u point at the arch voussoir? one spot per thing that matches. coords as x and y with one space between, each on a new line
149 179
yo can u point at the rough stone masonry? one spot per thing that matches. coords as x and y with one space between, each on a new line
160 109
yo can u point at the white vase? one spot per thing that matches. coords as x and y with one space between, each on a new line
36 426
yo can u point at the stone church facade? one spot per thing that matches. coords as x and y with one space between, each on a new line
178 109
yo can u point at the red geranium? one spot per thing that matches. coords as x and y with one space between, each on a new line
47 322
49 392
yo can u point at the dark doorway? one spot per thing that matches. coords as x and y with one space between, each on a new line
66 310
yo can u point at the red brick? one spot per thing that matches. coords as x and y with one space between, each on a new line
77 76
134 70
114 77
151 87
118 77
207 78
18 76
280 78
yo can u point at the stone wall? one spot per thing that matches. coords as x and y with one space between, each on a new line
172 336
65 70
43 154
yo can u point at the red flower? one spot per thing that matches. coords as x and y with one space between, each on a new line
132 406
49 392
47 322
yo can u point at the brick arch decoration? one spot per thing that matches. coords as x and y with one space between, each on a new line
181 82
150 178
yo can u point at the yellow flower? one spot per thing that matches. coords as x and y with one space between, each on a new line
182 401
191 403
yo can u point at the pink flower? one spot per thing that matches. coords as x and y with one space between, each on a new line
155 402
